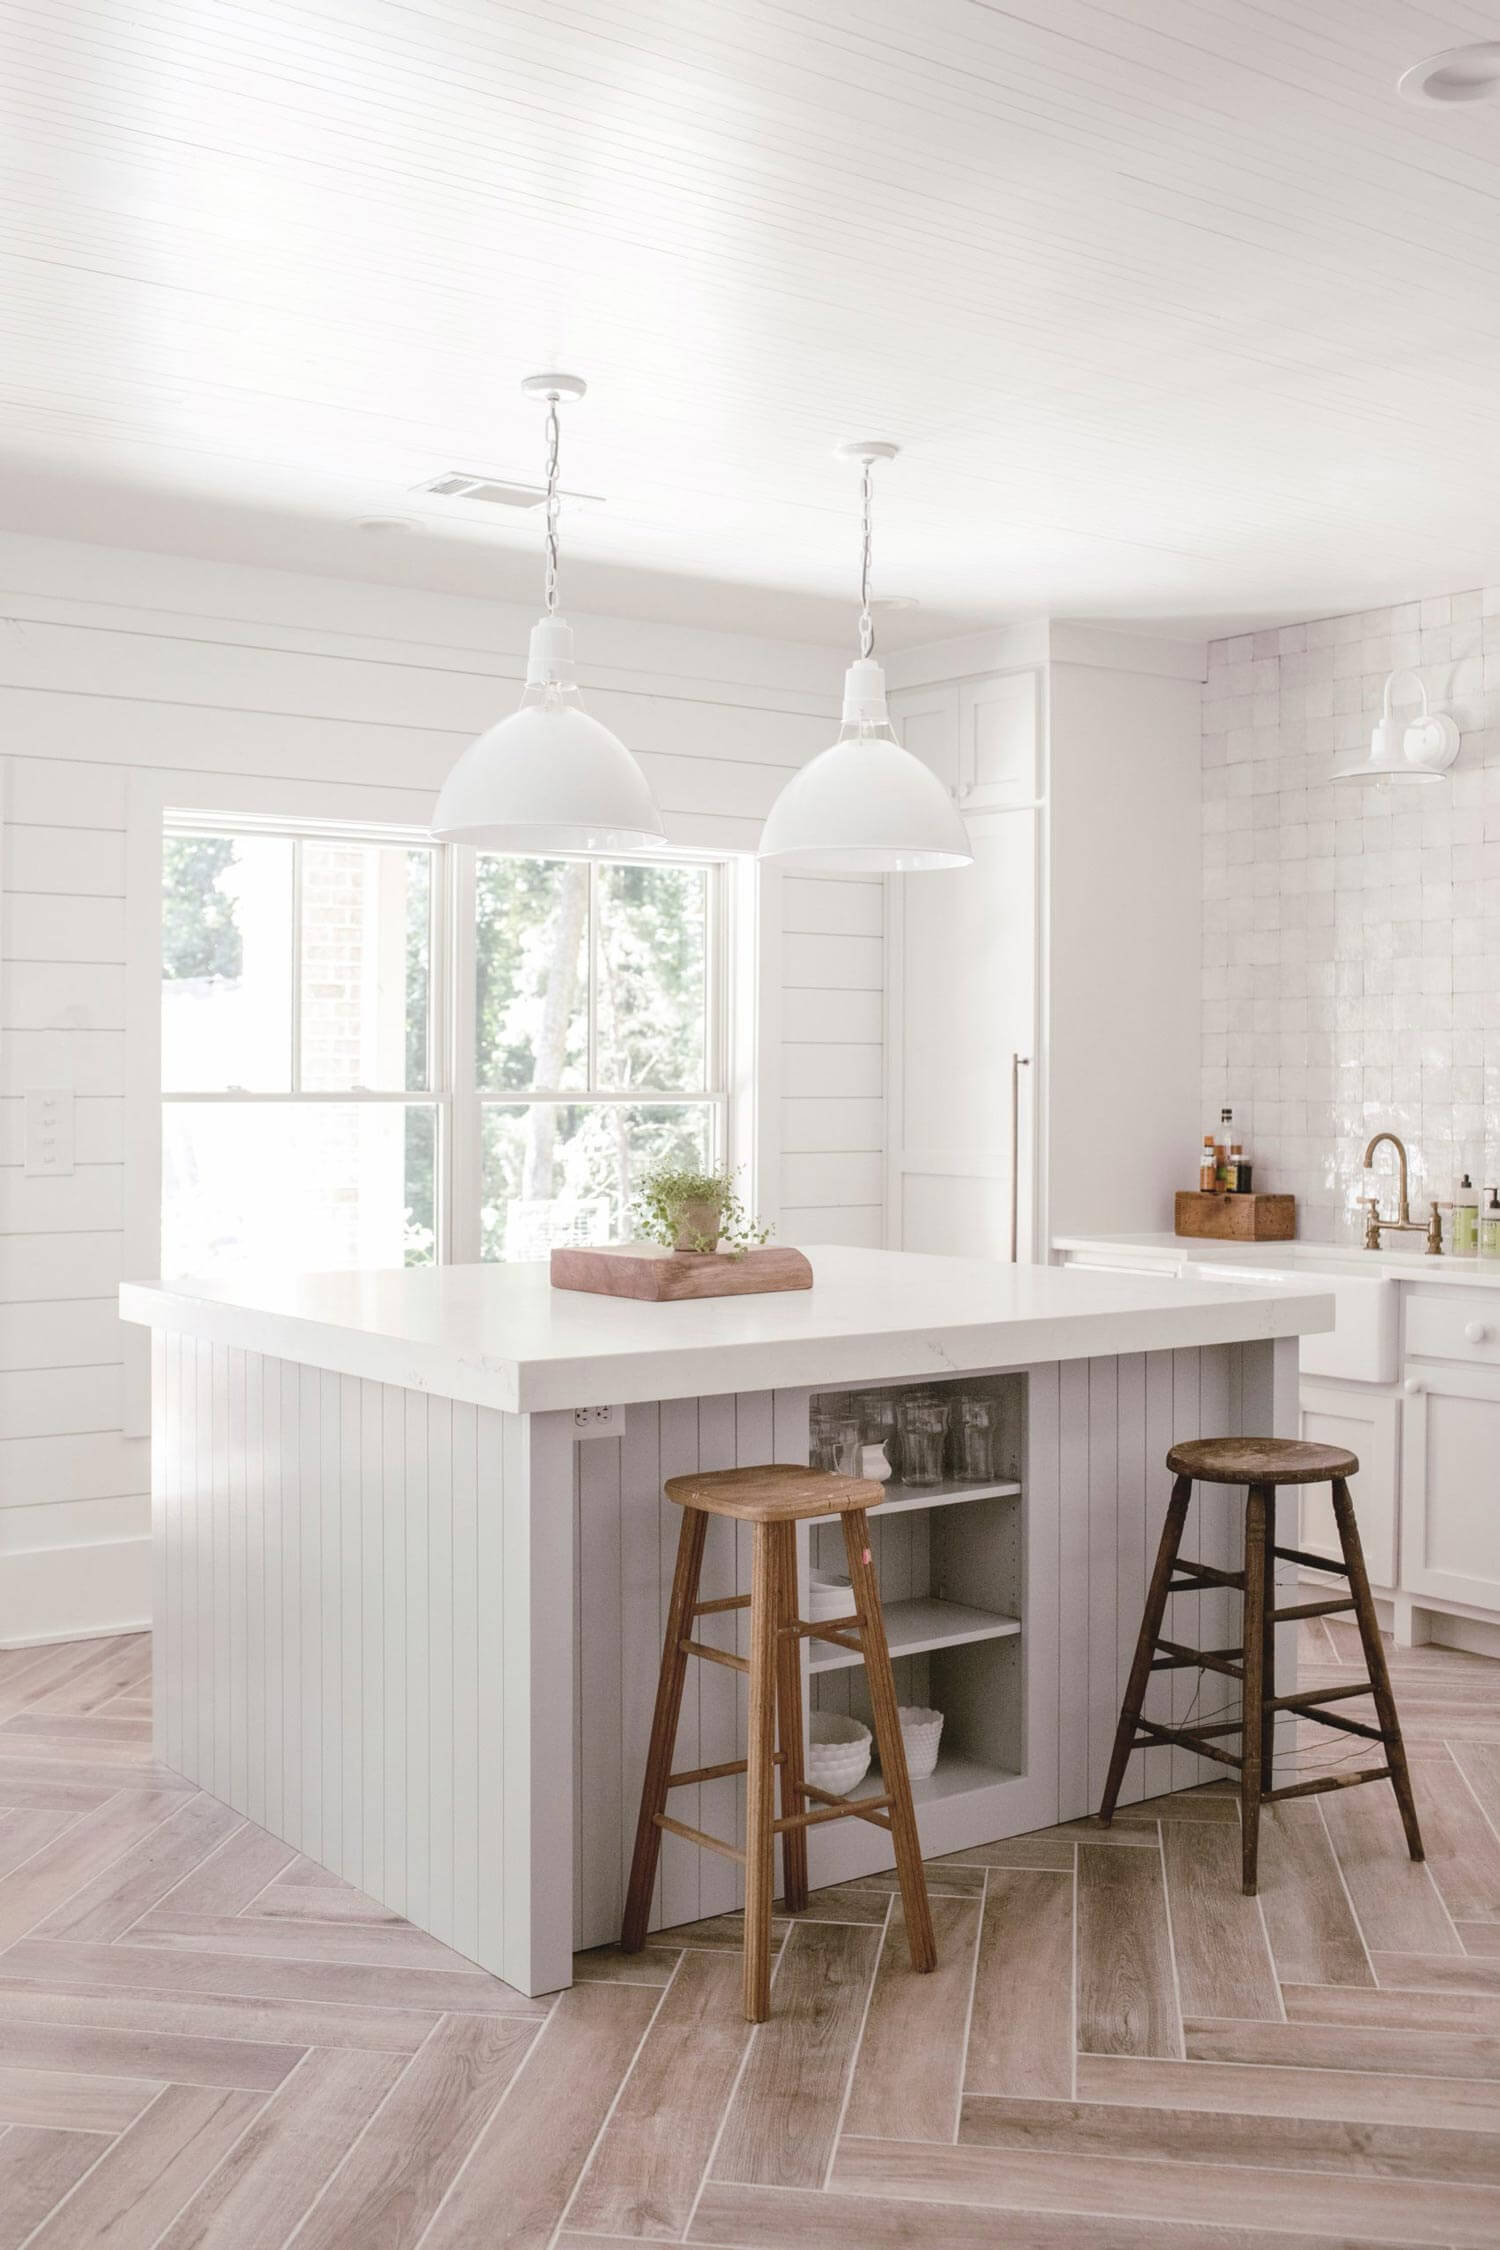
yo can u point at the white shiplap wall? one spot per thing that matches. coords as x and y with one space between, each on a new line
117 669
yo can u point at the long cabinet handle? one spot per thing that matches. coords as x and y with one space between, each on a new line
1018 1063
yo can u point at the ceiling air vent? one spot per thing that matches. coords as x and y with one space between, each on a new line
498 492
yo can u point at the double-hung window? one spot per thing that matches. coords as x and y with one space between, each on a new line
378 1051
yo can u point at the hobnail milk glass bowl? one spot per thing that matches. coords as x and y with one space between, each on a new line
921 1731
838 1753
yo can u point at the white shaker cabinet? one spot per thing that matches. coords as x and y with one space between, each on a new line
1368 1422
1450 1485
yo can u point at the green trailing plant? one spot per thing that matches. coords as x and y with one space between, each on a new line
694 1211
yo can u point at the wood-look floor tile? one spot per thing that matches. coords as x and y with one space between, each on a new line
750 2218
909 2072
384 2194
81 2101
1127 1995
139 2053
781 2124
288 2023
146 1968
1322 2046
277 2167
57 1796
845 1902
69 1726
396 1945
25 1832
717 1930
231 1878
1421 2011
526 2162
1298 2144
284 1901
37 2169
1212 1802
136 1879
1218 1936
1378 2097
1438 1972
1463 1850
1314 1936
60 1869
1021 2034
1479 1937
1396 2210
1396 1902
1052 1851
651 2157
606 1964
946 1878
152 2170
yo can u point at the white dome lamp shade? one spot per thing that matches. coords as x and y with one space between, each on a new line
549 778
1405 750
865 806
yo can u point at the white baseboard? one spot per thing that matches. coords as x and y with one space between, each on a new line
75 1593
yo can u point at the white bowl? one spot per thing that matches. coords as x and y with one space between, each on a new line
921 1731
838 1753
828 1595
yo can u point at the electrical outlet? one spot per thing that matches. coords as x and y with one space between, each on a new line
598 1421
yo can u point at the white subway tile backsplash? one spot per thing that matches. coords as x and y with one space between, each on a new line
1352 934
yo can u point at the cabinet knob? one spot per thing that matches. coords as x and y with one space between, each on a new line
1414 1386
1478 1332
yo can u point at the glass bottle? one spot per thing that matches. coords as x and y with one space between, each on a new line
1489 1227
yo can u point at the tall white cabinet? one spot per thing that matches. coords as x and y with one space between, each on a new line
1071 943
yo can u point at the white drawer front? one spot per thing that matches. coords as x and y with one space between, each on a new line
1461 1324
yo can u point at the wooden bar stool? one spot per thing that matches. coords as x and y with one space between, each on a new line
775 1499
1261 1465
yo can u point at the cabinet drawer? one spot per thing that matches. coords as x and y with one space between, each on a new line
1461 1324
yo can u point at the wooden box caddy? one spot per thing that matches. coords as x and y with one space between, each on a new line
1236 1218
643 1270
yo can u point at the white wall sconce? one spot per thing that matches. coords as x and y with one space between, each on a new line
1406 749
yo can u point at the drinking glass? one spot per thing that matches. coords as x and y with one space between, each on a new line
924 1433
974 1439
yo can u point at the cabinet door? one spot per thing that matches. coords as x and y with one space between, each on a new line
962 981
1450 1472
999 759
1368 1423
926 722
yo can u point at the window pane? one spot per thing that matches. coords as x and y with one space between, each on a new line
653 979
531 972
366 966
226 993
288 1186
555 1173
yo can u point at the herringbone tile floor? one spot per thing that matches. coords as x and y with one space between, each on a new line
206 2041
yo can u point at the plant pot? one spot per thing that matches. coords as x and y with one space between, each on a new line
694 1224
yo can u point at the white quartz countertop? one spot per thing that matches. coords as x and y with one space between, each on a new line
500 1335
1272 1261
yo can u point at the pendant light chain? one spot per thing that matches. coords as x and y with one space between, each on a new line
866 622
554 446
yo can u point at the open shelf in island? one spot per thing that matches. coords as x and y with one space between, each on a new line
955 1775
913 1628
950 1494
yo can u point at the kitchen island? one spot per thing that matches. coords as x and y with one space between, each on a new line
412 1559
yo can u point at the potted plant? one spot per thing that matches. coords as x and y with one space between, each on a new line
694 1211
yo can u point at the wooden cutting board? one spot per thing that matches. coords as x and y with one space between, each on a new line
1236 1218
644 1270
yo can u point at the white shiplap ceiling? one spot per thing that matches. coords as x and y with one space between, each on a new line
1181 315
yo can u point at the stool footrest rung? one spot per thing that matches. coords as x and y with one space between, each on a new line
1327 1781
1310 1562
1313 1609
1305 1700
1207 1574
714 1655
872 1809
724 1601
698 1836
1190 1738
823 1628
1212 1659
718 1773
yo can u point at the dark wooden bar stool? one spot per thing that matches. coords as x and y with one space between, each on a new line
775 1499
1261 1464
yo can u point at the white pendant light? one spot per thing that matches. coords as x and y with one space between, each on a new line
1402 750
865 806
549 778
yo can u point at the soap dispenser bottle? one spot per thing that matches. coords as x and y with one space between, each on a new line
1466 1219
1489 1228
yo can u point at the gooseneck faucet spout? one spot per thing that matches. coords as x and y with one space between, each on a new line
1403 1223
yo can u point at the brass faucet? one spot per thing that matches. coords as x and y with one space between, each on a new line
1403 1223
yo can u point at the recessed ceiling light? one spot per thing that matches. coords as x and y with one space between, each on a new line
1458 74
381 524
